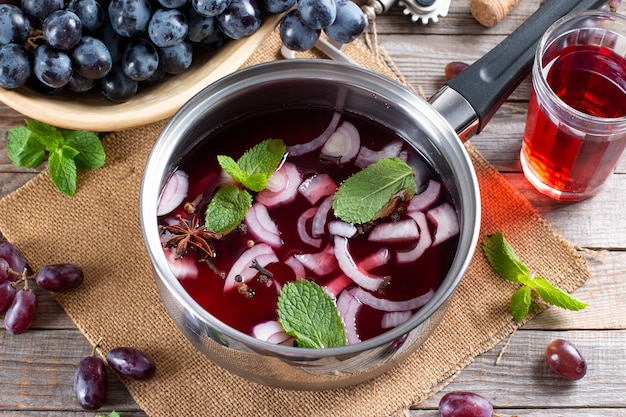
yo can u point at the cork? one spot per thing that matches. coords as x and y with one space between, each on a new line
489 12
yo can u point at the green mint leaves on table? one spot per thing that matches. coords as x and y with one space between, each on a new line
309 314
503 259
229 205
111 414
366 195
68 151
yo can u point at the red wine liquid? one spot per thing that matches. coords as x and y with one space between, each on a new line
294 126
592 80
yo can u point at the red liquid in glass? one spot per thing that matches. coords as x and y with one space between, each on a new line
590 79
295 126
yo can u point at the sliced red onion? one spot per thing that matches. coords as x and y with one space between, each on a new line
182 268
317 186
344 143
383 304
366 156
321 263
318 142
173 193
446 222
270 331
423 243
393 319
376 259
341 228
351 269
394 232
425 199
319 220
335 286
242 265
296 266
305 237
261 226
348 307
290 178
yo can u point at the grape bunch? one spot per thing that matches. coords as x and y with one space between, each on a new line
90 374
118 46
18 301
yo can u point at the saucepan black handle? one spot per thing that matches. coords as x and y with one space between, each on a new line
487 83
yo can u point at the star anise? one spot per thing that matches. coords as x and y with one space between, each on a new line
190 233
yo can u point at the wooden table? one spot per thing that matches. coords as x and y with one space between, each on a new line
36 368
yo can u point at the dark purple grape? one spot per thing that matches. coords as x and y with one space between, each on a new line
454 68
176 59
14 25
565 359
80 84
62 29
91 58
200 27
21 313
167 27
140 59
240 19
130 17
15 68
131 362
349 23
464 404
277 6
4 270
53 68
317 14
295 34
90 13
117 87
38 10
210 7
7 294
59 277
14 257
172 4
114 42
90 382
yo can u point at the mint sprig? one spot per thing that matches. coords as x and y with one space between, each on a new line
502 258
227 209
307 313
366 195
67 150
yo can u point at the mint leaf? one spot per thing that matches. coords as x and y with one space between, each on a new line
48 135
231 167
24 148
227 209
307 313
260 162
502 257
111 414
367 194
63 170
556 296
90 151
520 303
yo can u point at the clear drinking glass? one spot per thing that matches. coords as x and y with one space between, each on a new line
576 126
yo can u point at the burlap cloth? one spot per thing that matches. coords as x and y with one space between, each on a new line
99 230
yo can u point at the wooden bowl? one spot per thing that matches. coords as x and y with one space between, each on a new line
91 111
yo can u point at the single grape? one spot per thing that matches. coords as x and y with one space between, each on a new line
295 34
38 10
167 27
130 18
53 68
90 13
131 362
277 6
59 277
91 58
15 68
464 404
117 87
172 4
240 19
157 77
21 313
214 41
14 26
90 382
7 294
200 27
140 59
4 270
80 84
349 23
115 43
177 58
454 68
565 359
14 257
317 14
62 29
210 7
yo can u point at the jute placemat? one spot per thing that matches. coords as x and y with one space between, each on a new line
99 230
